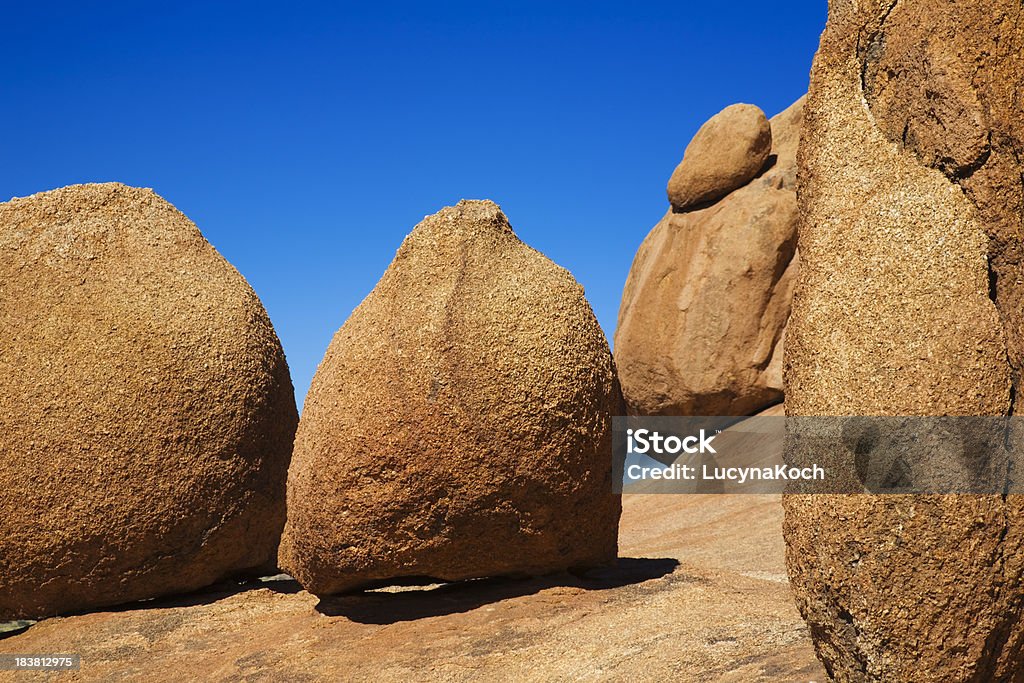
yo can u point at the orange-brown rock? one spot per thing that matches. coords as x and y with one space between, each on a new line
907 304
705 306
460 423
146 411
700 594
726 153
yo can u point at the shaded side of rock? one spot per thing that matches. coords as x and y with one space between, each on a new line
460 423
894 315
146 410
705 306
728 151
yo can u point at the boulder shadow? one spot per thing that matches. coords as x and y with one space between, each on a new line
202 596
383 607
9 629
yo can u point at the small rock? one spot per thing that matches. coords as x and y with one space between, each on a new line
726 153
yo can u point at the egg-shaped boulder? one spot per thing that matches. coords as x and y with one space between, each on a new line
728 151
146 409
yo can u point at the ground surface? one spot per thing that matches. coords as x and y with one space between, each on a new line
701 595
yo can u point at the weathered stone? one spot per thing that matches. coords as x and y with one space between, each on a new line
146 411
894 315
726 153
705 307
729 592
460 423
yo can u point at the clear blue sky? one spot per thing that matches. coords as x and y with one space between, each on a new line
306 139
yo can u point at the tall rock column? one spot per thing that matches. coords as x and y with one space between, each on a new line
907 304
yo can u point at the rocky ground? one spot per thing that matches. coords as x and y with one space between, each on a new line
700 595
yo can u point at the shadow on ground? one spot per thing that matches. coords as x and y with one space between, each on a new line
13 628
414 602
382 607
203 596
218 591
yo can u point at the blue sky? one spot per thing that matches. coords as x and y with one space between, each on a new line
306 139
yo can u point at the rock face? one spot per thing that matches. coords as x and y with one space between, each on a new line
146 411
726 153
705 306
460 424
908 304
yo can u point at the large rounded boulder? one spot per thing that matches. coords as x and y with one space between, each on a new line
460 423
146 410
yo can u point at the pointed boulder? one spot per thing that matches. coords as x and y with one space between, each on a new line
460 423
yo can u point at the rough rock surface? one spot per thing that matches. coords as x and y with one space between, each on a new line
724 613
726 153
460 424
146 411
705 306
910 188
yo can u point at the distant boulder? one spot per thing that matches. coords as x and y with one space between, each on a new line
705 307
726 153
